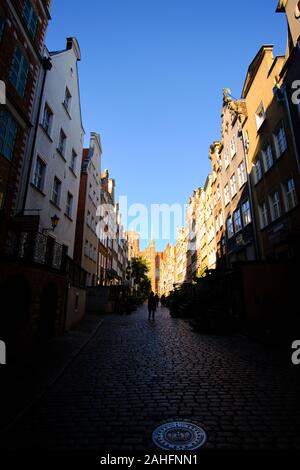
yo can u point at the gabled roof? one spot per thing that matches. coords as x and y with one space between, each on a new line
281 6
72 44
254 66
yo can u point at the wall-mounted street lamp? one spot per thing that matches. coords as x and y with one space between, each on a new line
54 222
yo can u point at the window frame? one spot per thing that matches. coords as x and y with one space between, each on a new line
62 150
237 228
280 151
56 202
266 153
69 205
73 164
32 27
229 224
263 215
275 215
67 100
290 193
233 185
50 124
226 194
246 214
260 116
242 174
42 176
19 71
10 129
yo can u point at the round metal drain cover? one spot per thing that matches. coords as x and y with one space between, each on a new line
179 435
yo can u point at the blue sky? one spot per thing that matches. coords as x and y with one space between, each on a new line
152 75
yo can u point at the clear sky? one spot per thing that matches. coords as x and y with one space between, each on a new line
152 75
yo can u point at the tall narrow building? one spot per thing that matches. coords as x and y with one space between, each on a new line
86 251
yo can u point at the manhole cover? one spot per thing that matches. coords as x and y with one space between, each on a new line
179 435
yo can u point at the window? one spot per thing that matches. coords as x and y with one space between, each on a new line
246 212
73 161
275 205
233 185
242 174
69 205
62 142
2 25
39 174
257 171
19 71
56 191
47 119
218 192
8 132
280 142
263 215
86 248
260 116
217 224
88 218
226 158
67 100
221 220
290 195
233 149
267 156
30 18
215 199
226 194
237 221
230 230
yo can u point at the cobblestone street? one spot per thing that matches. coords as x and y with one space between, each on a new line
133 375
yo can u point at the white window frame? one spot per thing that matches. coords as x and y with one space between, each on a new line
69 205
280 142
275 206
267 157
290 195
233 147
56 195
260 116
226 194
230 233
233 185
242 174
47 123
237 228
263 215
257 171
246 212
226 158
62 143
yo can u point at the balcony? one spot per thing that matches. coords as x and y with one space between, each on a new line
36 248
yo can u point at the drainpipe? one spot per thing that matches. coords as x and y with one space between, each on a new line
245 148
281 95
47 66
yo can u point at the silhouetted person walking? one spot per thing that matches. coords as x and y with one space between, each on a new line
157 300
151 306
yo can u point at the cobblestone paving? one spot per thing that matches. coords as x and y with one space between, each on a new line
134 375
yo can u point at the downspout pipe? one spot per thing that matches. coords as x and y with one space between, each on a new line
47 66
